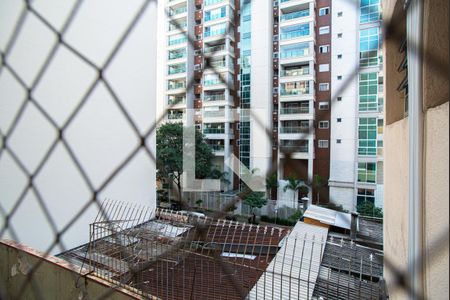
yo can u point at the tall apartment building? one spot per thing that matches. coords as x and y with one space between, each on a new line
286 60
356 172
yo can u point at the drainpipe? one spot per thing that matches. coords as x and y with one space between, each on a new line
414 23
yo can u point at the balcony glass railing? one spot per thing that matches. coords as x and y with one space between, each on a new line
294 148
177 55
217 148
213 82
177 41
175 116
177 26
294 110
178 85
217 64
294 129
175 101
294 34
220 31
218 97
295 72
214 114
214 49
177 70
177 11
294 53
291 92
211 2
211 17
295 15
214 130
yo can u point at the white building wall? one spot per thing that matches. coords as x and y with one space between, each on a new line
343 162
261 86
100 136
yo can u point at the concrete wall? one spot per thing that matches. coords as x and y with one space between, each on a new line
436 204
395 225
53 279
435 177
100 136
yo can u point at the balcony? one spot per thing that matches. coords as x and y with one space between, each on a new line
294 110
212 2
294 130
214 97
175 116
295 15
214 113
294 53
178 40
177 11
176 70
176 85
213 49
214 130
295 72
294 92
217 148
177 26
294 34
176 101
177 54
217 32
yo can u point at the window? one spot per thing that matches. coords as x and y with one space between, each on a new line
218 29
324 30
368 47
324 86
339 14
367 172
339 120
323 143
365 195
339 98
214 14
324 67
324 125
369 11
338 141
368 92
324 48
339 56
324 11
294 31
324 105
339 77
294 88
339 35
367 136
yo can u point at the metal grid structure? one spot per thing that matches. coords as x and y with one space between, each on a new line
173 255
111 228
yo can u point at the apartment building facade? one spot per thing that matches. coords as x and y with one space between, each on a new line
278 58
357 122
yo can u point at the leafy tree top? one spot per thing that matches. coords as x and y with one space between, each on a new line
255 199
169 152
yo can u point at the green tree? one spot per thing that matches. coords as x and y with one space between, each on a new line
271 184
169 153
255 200
367 208
317 184
293 184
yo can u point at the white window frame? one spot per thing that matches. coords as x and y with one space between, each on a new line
325 9
324 124
327 84
324 30
324 68
324 105
324 47
323 144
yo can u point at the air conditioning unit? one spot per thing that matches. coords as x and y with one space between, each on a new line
198 52
198 67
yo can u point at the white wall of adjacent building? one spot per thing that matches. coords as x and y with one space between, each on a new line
100 136
343 156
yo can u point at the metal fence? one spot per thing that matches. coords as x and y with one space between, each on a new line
130 266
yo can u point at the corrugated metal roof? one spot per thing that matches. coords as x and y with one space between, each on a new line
293 272
328 216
